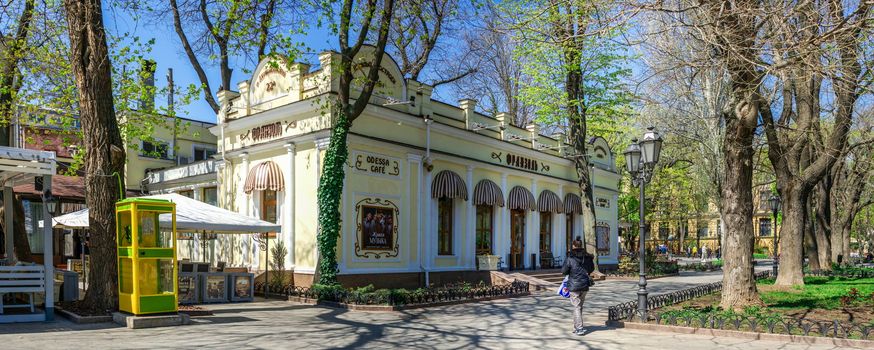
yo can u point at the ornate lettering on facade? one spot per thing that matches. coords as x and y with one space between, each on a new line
269 131
267 72
381 70
602 202
524 162
375 164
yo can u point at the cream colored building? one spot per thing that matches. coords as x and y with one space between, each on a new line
193 143
430 188
705 229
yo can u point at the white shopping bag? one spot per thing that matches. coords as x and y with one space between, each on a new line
562 289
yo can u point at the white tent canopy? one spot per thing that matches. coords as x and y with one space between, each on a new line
191 216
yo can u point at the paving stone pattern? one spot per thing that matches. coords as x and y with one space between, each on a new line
541 321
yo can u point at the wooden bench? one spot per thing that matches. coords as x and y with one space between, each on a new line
21 279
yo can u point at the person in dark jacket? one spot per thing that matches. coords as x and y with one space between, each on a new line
578 281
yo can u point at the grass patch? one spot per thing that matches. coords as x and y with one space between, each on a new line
817 293
820 298
761 256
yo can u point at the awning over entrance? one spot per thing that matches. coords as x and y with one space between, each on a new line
549 202
521 198
572 204
487 192
265 176
447 184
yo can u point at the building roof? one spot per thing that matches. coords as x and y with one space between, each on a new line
66 187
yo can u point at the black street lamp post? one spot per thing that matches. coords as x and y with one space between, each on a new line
263 240
774 202
641 158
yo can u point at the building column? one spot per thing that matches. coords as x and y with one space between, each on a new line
504 226
614 229
288 232
430 240
321 145
247 209
471 222
533 234
558 226
415 162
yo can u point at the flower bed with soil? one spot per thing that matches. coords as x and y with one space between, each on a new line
371 299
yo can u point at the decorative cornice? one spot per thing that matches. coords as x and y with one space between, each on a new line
323 143
414 157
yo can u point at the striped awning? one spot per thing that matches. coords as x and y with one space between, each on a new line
488 193
572 204
263 177
520 198
447 184
549 202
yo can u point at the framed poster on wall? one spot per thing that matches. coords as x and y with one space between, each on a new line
377 228
602 238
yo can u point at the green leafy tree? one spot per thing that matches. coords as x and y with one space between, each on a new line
576 77
356 20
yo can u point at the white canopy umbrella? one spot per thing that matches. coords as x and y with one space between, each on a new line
191 216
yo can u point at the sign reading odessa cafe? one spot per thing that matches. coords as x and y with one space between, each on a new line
376 164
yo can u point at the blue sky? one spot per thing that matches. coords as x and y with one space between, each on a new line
168 53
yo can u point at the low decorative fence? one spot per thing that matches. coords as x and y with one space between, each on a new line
654 269
628 310
400 297
848 272
767 324
727 320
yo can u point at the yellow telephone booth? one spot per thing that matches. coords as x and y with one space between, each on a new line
146 256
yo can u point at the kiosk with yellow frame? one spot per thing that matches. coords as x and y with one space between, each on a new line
146 256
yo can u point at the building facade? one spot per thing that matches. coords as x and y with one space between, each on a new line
705 229
430 188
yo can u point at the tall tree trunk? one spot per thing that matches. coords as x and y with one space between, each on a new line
331 180
791 237
811 247
584 183
330 191
739 285
821 218
104 158
10 75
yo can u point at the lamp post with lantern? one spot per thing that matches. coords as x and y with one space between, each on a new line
640 159
774 202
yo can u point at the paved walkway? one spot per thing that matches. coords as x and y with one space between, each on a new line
537 322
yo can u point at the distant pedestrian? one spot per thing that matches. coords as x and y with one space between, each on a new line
578 281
